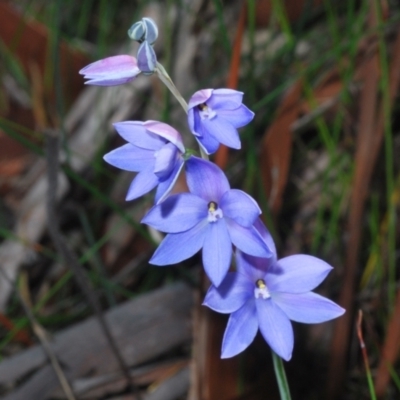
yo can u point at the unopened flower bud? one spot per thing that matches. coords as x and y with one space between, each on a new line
137 31
146 58
146 29
151 34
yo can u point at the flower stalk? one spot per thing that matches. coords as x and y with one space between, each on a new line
280 374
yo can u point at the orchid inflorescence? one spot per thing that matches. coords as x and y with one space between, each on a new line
263 292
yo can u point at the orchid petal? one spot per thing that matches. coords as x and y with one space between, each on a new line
223 131
240 207
238 117
131 158
208 144
165 131
200 97
165 159
309 308
299 273
111 71
275 328
253 267
226 99
217 251
177 213
177 247
241 330
205 179
263 231
247 239
135 133
164 187
143 183
230 295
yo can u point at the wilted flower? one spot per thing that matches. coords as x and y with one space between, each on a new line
212 217
214 116
111 71
155 150
267 294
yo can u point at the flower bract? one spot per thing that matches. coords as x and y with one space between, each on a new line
111 71
266 294
214 116
211 217
155 150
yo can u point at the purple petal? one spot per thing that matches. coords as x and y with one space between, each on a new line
177 247
131 158
309 308
165 160
199 97
111 71
247 240
299 273
222 131
177 213
263 231
205 179
208 143
231 294
241 330
225 99
164 187
146 58
217 251
240 207
135 132
142 184
167 132
253 267
239 117
275 328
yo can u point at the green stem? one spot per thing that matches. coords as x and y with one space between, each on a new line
281 377
167 81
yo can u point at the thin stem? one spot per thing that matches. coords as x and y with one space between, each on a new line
165 78
281 377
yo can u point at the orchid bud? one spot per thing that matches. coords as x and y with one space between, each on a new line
146 29
137 31
151 28
146 58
